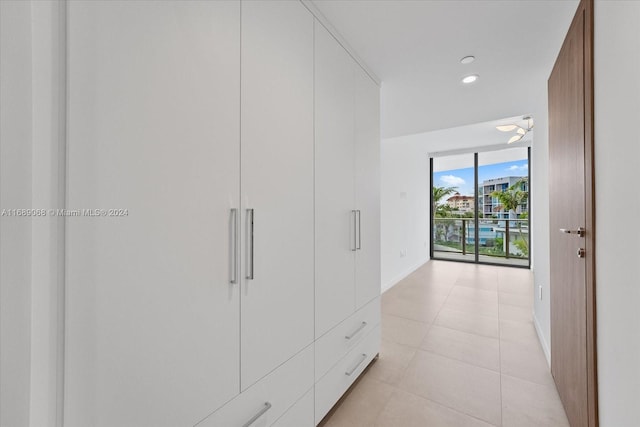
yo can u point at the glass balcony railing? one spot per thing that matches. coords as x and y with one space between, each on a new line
500 240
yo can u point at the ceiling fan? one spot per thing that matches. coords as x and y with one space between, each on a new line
520 131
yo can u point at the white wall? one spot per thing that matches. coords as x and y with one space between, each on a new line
617 155
404 214
15 192
540 223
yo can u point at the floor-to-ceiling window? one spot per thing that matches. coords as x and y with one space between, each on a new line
480 207
453 211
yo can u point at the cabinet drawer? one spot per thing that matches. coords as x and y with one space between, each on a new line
334 344
300 414
333 385
270 397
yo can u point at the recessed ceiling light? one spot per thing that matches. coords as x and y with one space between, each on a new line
468 59
470 79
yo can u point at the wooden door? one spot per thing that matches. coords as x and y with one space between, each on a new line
571 210
334 183
152 320
367 140
277 184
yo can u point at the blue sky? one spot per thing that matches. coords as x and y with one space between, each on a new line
463 178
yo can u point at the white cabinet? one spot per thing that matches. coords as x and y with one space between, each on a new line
271 398
154 331
339 340
335 182
277 184
332 386
347 184
347 194
367 142
152 322
234 147
300 414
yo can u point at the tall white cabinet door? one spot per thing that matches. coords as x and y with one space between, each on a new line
152 321
335 182
367 134
277 184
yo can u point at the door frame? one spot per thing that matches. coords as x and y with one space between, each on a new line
590 214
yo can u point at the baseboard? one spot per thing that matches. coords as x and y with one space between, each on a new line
543 341
390 284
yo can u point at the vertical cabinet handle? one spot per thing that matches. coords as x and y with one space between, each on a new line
249 244
233 246
359 230
260 413
354 214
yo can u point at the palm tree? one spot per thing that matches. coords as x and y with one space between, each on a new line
510 199
438 194
441 211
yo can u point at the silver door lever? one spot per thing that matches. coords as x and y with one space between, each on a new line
579 231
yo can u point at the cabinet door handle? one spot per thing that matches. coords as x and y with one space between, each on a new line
260 413
354 214
354 333
352 370
359 230
249 269
233 246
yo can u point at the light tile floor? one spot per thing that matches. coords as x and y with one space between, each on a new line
458 349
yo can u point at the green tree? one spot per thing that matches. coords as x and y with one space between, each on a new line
441 211
510 199
439 193
522 245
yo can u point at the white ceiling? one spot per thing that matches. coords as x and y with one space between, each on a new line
415 47
479 136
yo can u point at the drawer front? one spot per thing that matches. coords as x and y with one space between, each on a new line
300 415
333 385
268 399
338 341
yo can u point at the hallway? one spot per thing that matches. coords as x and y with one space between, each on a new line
458 349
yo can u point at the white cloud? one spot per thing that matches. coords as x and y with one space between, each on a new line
452 180
513 168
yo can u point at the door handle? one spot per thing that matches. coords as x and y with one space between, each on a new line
580 231
260 413
354 214
359 215
233 246
249 269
